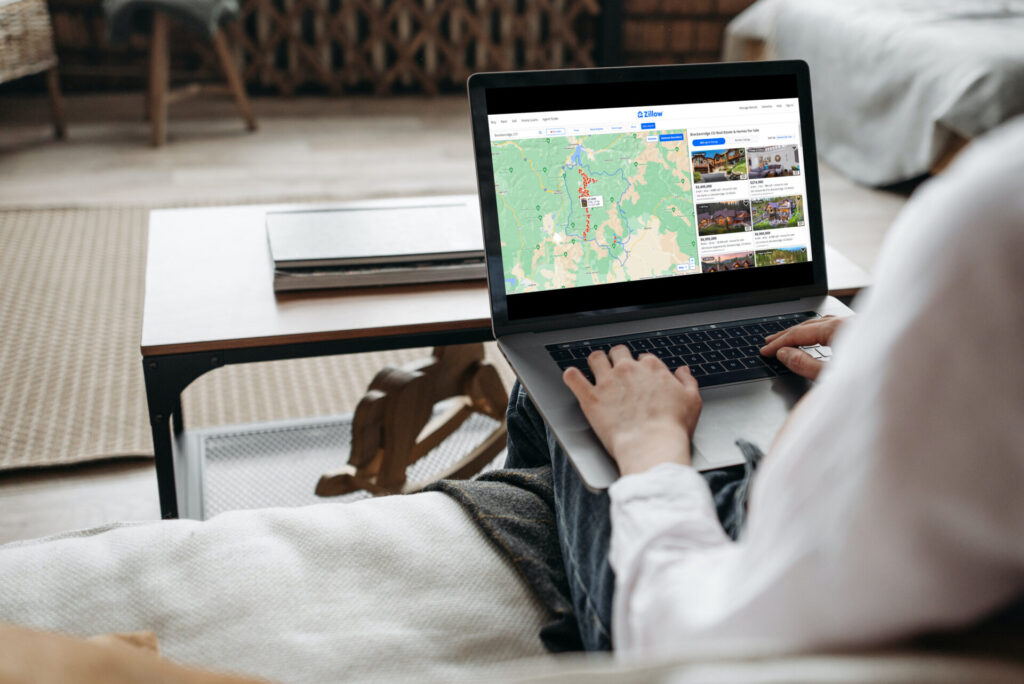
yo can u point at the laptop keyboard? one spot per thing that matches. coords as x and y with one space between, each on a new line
717 353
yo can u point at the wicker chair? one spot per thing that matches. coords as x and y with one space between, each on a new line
26 47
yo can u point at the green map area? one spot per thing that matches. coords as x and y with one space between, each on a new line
586 210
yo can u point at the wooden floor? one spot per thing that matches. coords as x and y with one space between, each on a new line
46 501
313 148
329 143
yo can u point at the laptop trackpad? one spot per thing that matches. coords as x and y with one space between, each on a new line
753 411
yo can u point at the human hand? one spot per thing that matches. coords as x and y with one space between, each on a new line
784 344
643 414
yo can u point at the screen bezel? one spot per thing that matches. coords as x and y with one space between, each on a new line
480 84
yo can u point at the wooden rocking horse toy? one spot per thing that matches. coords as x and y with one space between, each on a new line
392 426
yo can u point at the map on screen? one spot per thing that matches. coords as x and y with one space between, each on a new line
593 209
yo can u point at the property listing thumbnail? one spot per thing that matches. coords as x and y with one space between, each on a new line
719 218
780 256
773 162
727 262
777 212
712 166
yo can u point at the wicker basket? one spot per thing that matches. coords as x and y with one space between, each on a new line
26 39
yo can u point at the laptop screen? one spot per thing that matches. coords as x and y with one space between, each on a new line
609 194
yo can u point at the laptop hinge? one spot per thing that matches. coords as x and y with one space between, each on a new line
590 318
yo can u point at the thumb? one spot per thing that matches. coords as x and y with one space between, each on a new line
799 362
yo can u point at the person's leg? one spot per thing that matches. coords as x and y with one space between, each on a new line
582 516
527 433
584 520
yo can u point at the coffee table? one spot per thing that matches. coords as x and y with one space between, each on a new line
210 303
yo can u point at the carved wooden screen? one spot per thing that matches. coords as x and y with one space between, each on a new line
387 46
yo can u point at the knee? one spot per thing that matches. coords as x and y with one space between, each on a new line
519 404
526 432
522 417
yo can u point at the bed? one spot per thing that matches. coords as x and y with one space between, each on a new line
899 86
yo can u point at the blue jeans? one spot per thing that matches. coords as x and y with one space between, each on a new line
583 517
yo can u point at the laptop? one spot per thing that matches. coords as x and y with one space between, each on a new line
674 209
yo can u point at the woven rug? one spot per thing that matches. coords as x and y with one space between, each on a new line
71 389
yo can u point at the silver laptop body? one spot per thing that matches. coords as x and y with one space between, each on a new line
636 200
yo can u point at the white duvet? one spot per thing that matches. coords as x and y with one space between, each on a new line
375 590
892 80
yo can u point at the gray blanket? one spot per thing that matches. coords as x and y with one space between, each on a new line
515 509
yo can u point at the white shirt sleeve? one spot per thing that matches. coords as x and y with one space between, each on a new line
662 520
891 504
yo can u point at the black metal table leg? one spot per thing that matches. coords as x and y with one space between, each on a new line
166 378
160 408
164 452
177 417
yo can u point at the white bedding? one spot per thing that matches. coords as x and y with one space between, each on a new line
393 589
892 80
334 592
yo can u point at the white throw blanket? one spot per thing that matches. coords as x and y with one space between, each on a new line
332 592
395 589
892 80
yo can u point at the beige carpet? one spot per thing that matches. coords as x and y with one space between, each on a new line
73 218
71 390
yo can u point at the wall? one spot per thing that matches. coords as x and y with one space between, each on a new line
347 46
676 31
275 59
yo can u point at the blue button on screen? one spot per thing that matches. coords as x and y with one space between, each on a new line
646 126
704 142
668 137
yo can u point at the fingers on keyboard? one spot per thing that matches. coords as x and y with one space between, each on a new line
715 354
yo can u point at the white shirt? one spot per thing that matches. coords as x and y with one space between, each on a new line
894 500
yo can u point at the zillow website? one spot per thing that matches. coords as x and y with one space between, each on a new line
595 196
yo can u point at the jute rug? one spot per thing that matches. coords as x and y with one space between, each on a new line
71 389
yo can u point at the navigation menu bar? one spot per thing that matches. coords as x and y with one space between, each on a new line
625 119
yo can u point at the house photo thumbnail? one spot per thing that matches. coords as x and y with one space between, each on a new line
780 256
778 212
773 162
727 262
718 218
712 166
